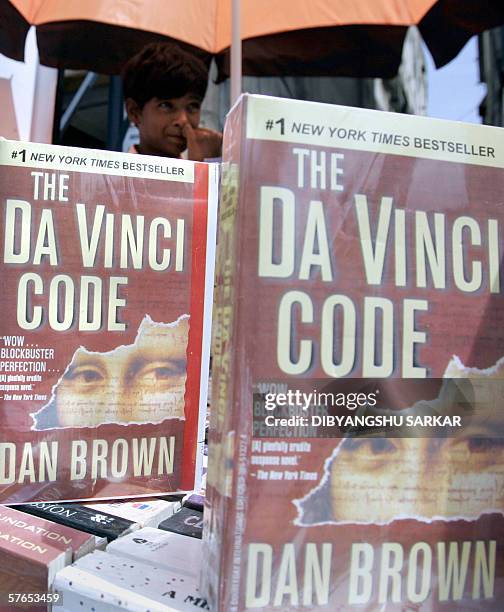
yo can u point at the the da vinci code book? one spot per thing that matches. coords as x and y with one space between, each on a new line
356 456
106 272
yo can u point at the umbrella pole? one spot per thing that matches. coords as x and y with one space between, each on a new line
236 51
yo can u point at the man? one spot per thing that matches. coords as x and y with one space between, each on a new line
164 87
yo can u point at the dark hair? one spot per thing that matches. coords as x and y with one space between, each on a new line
163 70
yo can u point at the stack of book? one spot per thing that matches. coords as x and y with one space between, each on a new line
142 554
33 550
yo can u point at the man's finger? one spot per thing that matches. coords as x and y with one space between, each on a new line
193 146
188 133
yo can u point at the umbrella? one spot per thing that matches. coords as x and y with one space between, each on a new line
287 37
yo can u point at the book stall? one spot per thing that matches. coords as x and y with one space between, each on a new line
342 269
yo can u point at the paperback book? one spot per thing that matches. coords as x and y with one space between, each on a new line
356 444
19 525
81 517
107 581
145 512
194 502
174 552
31 552
107 276
186 521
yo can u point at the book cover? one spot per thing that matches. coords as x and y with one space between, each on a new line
81 517
31 552
194 501
107 276
186 521
356 443
145 512
20 524
106 580
172 551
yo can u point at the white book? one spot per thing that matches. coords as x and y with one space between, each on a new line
106 582
147 513
172 551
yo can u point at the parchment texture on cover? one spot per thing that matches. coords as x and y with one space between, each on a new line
107 271
355 246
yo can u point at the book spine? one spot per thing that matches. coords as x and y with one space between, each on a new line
220 519
211 246
82 518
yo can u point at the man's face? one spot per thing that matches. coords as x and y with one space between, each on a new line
161 121
139 383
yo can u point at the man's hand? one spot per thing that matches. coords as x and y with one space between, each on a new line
202 143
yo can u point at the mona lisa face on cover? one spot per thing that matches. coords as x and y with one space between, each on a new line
379 479
139 383
424 478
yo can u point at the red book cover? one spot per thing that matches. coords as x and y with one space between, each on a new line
19 524
31 552
356 455
107 280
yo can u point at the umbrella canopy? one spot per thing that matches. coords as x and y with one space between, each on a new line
323 37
